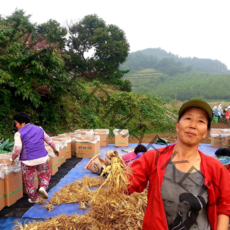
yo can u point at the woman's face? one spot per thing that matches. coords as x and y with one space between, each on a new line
184 206
18 125
192 127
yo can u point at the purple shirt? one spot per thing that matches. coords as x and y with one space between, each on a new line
139 155
33 146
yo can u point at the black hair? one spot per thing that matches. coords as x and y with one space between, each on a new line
140 149
222 152
21 118
209 121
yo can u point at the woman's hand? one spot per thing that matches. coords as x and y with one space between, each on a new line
11 160
108 157
56 152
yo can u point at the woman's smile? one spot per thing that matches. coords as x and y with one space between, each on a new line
190 134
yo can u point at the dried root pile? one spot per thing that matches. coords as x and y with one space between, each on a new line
116 182
110 206
63 222
76 192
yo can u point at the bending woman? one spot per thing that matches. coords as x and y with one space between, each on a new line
29 145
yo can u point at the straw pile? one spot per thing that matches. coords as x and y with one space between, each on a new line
77 192
110 206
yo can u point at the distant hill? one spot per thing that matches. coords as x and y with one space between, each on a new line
171 64
184 86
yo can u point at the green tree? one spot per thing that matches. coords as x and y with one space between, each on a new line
22 21
53 32
31 71
106 43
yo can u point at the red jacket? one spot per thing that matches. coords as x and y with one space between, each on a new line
151 167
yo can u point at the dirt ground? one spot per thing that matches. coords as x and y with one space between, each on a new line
172 137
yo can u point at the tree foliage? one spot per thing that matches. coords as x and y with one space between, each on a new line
21 21
38 72
96 49
31 71
53 33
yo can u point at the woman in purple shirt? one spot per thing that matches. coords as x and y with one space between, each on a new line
29 146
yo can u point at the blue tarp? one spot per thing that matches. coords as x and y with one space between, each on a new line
78 173
9 223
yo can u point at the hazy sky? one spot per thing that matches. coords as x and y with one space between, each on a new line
188 28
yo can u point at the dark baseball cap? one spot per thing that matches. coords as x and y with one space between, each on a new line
197 104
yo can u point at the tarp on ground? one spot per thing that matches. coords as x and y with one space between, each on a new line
78 173
9 223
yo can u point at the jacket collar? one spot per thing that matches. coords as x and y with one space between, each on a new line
163 157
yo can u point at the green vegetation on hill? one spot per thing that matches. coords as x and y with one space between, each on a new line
138 113
171 64
142 81
186 86
169 76
139 61
96 105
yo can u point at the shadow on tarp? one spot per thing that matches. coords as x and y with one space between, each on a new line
77 173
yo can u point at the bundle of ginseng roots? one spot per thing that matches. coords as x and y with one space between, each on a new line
110 205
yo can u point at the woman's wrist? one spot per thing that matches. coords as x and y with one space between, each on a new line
222 222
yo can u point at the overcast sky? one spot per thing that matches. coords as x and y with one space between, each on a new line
188 28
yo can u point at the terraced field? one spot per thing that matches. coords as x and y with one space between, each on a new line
144 78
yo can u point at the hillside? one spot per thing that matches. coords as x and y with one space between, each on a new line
96 105
139 78
185 86
171 64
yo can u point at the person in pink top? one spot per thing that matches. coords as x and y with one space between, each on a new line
130 157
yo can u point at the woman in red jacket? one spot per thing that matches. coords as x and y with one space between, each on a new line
187 188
